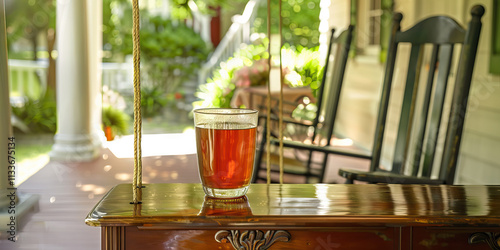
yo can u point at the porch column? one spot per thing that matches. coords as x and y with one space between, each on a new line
78 136
13 205
334 14
5 128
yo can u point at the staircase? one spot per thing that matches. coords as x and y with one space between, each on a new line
238 33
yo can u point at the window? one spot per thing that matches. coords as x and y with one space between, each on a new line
495 40
373 25
375 14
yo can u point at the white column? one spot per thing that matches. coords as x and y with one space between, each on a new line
5 128
334 14
324 28
78 76
94 20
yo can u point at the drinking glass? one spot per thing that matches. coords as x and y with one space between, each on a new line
225 141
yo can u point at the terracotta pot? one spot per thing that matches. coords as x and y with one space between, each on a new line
108 132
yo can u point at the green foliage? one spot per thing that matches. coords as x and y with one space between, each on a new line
40 115
116 119
28 19
219 89
301 68
117 21
153 100
180 9
300 19
304 66
116 30
305 112
172 52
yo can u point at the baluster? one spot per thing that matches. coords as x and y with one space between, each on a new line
30 84
20 82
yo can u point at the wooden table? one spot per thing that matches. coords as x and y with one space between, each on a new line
302 216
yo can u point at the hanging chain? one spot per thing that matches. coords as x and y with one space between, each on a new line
137 182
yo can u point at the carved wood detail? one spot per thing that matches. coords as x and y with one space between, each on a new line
252 239
490 238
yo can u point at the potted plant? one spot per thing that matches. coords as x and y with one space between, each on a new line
153 99
115 122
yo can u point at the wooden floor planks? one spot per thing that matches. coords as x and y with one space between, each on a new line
68 191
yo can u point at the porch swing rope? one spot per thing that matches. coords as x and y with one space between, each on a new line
281 99
280 104
137 181
268 99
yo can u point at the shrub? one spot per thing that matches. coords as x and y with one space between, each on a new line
248 67
153 100
171 52
39 115
219 89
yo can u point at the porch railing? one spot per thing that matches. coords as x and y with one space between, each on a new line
118 76
200 22
28 78
238 33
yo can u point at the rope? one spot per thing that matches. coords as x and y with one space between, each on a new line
280 115
137 181
281 100
268 123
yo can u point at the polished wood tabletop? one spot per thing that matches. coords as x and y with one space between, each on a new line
306 205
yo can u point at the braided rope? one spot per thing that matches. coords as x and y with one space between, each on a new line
268 100
268 122
280 123
280 116
137 181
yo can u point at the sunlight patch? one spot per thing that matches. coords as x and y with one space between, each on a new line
155 145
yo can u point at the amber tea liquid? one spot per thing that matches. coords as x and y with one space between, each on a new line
226 154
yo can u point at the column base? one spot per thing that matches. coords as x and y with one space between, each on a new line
4 198
16 218
75 148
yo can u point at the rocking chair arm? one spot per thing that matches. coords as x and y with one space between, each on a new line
323 149
385 177
285 102
305 123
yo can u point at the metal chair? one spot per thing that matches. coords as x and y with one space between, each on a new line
422 120
320 130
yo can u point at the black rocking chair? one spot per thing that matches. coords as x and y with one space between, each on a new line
318 132
424 118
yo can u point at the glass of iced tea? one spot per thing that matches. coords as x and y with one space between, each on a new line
225 141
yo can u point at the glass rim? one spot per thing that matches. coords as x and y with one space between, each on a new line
211 111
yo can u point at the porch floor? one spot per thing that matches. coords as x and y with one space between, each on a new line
68 191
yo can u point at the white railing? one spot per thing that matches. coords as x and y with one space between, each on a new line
32 75
238 33
27 74
118 76
200 23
